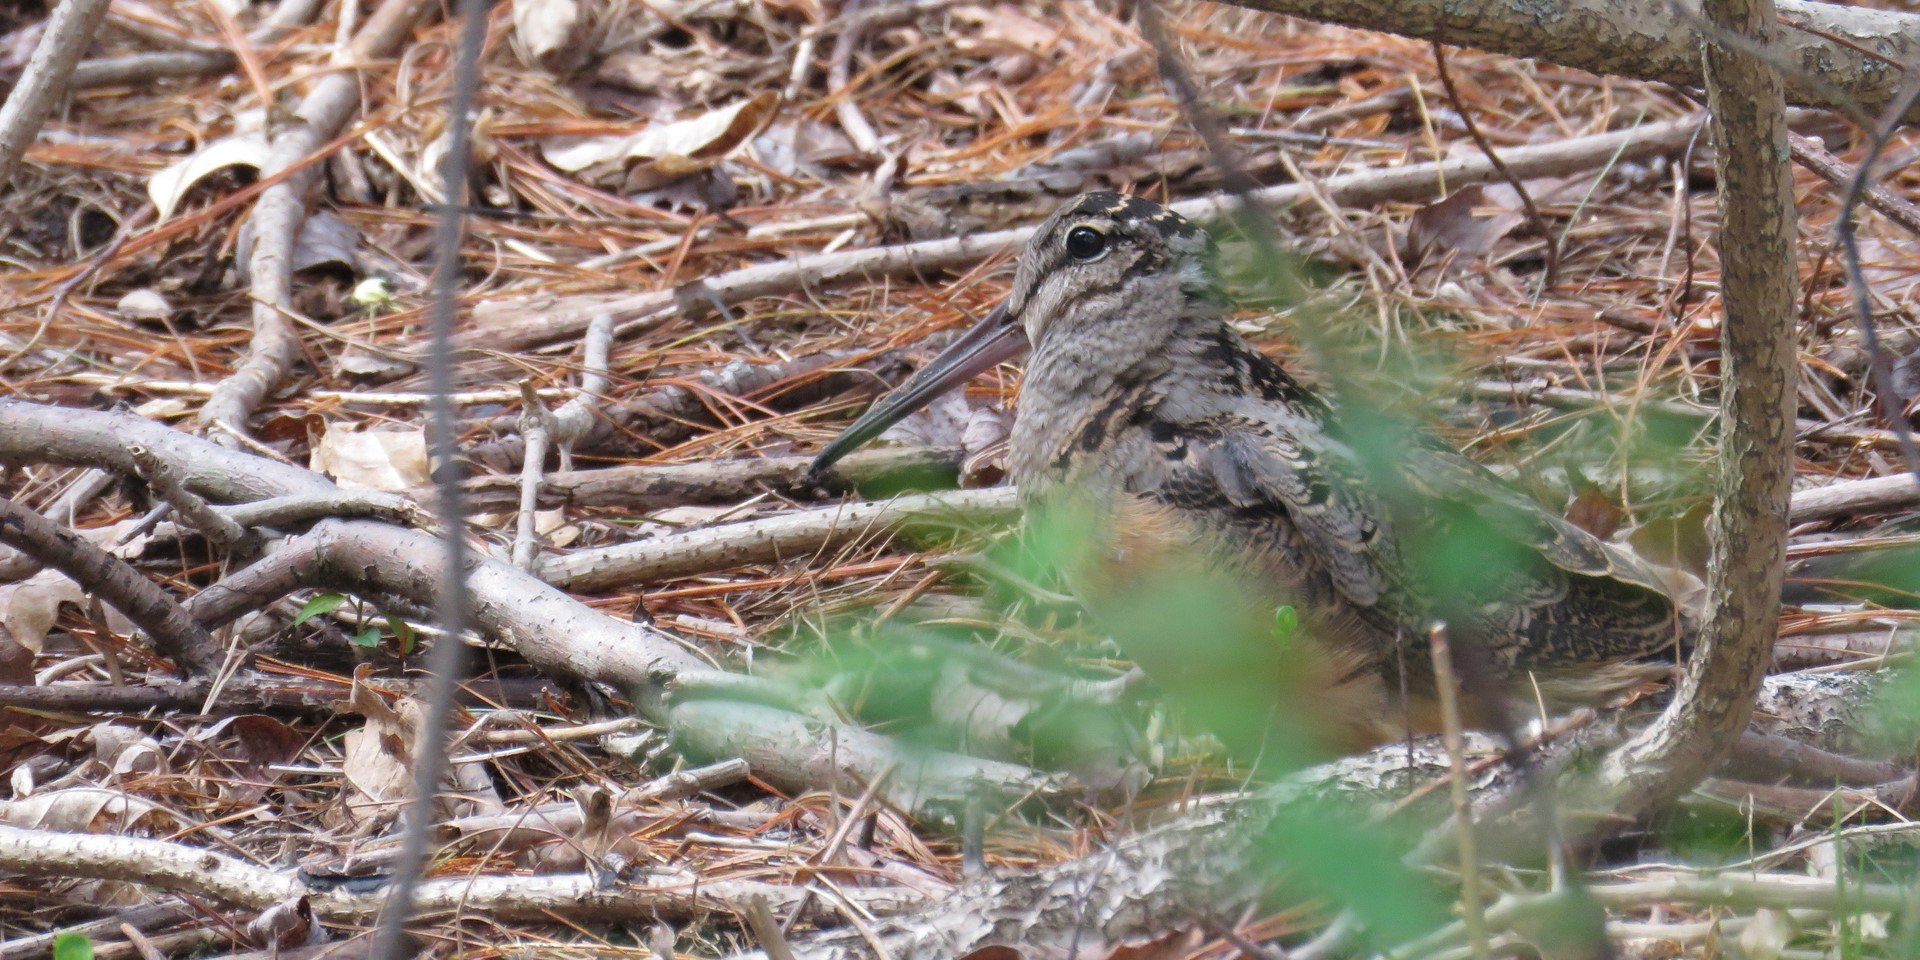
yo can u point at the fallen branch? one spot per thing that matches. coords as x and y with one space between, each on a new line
179 868
1854 497
766 541
1748 527
523 323
175 634
277 215
1657 40
70 27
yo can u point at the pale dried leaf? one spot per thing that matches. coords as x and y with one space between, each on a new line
1891 267
168 186
384 459
124 750
29 607
1463 226
88 810
286 924
144 304
942 423
377 762
544 28
326 237
1007 25
665 151
163 408
1766 935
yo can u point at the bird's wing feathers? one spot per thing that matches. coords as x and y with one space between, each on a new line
1443 475
1250 468
1266 456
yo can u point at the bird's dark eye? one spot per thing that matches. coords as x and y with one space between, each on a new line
1086 243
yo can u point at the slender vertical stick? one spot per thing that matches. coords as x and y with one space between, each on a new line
1471 910
448 657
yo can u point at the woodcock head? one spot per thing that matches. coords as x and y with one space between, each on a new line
1101 256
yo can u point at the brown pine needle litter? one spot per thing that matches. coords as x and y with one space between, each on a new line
633 160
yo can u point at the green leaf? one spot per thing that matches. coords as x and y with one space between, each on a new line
1325 852
322 604
72 946
402 633
370 637
1285 621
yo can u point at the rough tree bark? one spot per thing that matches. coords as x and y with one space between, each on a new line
1649 40
1749 525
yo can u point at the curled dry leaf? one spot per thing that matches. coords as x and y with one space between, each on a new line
1463 226
378 761
387 460
90 810
287 924
125 751
144 304
548 33
664 151
171 184
29 607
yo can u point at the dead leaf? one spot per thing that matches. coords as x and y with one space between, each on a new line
664 151
144 304
125 751
89 810
1595 512
168 186
942 423
1006 25
1890 266
793 147
1463 226
287 924
326 237
377 762
28 608
1767 935
548 33
377 459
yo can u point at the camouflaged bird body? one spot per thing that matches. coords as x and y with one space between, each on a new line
1140 395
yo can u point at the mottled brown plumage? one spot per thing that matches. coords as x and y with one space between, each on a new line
1203 452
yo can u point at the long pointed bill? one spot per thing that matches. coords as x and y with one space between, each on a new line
992 341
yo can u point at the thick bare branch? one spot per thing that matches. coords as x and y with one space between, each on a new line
1749 525
1645 39
69 30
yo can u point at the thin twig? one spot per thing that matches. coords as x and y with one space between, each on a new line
1448 687
447 659
1538 222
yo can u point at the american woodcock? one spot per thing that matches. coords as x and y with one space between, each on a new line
1139 396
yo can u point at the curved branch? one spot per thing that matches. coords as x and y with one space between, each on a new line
175 634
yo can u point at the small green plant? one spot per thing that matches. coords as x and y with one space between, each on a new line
72 946
368 636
